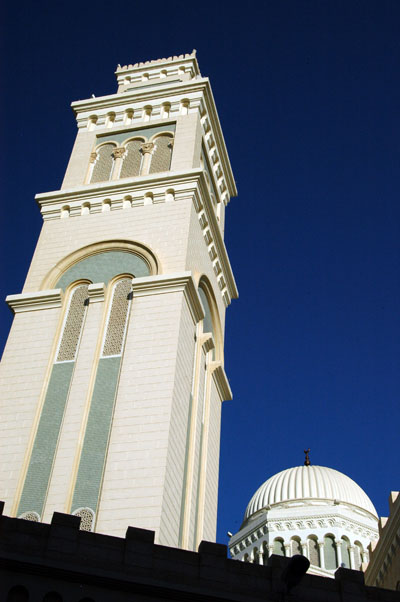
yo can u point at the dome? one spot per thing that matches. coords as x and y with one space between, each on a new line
309 482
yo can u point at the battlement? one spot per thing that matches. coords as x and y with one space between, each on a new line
36 558
183 67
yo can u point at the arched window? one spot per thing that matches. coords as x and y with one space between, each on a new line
357 555
330 552
132 159
103 164
246 558
346 553
161 159
279 547
256 558
33 516
296 546
265 553
87 519
115 332
73 324
18 593
313 551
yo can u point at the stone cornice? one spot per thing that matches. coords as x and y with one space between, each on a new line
221 381
200 85
188 183
171 283
96 292
35 301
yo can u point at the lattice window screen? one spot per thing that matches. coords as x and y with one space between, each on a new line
73 325
314 552
87 518
104 162
296 547
357 557
33 516
161 159
132 159
117 319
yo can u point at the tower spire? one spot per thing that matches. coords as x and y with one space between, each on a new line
307 458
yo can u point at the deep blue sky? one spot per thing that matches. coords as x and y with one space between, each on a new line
308 97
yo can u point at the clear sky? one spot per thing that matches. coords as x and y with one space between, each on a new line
308 97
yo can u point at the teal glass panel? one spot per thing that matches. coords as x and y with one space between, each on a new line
104 266
44 447
91 465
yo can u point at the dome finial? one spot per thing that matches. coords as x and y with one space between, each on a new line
307 459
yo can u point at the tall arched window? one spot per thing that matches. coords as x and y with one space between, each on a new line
313 551
279 547
330 552
87 519
346 553
161 159
132 159
103 164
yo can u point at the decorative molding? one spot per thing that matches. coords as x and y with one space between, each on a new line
96 292
93 156
147 147
36 300
119 152
221 381
207 342
171 283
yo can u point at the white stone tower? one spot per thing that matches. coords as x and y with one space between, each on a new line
113 374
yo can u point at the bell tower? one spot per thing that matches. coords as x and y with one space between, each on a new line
113 375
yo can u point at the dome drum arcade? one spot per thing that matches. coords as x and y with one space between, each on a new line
310 510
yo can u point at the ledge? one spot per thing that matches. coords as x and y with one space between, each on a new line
171 283
221 381
35 301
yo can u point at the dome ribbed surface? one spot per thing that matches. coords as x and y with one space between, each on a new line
309 482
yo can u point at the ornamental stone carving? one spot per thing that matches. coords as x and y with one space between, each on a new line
147 147
93 156
119 152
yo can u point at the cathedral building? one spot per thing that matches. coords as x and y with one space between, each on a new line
113 374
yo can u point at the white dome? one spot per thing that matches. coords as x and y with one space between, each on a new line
309 482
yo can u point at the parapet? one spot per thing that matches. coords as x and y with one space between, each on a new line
37 558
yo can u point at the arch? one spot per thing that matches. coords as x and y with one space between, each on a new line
87 518
104 162
255 556
161 159
358 555
330 553
148 261
211 322
279 547
346 552
18 593
295 546
313 550
246 558
132 160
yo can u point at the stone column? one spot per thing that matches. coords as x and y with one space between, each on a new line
118 153
338 543
352 558
321 554
147 150
304 548
93 157
288 551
